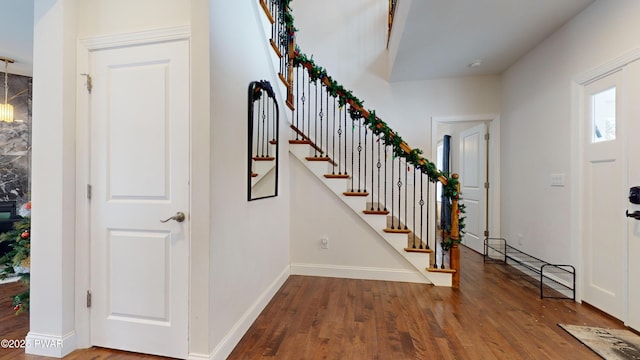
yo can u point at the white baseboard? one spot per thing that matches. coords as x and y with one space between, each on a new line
199 357
50 345
353 272
228 343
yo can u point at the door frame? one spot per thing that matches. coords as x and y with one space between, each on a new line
199 208
578 82
493 127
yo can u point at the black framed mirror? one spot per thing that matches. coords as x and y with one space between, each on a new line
264 119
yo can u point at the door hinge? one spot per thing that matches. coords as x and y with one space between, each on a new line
486 233
88 83
89 191
486 185
88 298
486 136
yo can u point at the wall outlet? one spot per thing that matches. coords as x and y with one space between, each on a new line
520 239
324 243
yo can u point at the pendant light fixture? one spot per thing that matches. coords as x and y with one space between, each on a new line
6 110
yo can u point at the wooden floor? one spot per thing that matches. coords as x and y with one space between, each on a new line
494 315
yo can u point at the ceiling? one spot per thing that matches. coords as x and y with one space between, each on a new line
16 35
433 38
440 38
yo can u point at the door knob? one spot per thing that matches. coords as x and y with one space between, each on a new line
179 217
635 214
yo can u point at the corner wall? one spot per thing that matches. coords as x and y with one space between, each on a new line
537 138
249 240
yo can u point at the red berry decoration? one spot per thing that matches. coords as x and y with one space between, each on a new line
17 307
25 234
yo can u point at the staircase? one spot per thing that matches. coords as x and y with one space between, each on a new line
365 163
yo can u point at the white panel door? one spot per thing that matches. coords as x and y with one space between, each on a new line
140 175
473 175
632 76
604 185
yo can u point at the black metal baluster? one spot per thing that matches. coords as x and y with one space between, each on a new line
340 143
414 227
320 116
392 192
428 219
372 178
353 129
308 133
378 165
333 148
385 176
326 95
297 102
399 191
275 127
359 148
259 149
315 122
406 194
345 140
265 129
423 238
366 128
435 228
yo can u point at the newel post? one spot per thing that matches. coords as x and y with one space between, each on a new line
455 236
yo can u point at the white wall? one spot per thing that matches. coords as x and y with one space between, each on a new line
536 126
355 250
53 176
250 240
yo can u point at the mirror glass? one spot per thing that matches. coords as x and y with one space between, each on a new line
263 141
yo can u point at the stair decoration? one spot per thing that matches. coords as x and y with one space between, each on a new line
358 155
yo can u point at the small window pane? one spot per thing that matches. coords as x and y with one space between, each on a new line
604 115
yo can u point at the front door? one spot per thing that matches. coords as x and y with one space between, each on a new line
473 177
632 72
604 185
140 176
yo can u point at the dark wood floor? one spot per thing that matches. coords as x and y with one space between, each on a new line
494 315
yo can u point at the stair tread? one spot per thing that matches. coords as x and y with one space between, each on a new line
426 251
376 212
356 193
337 176
432 269
396 231
264 158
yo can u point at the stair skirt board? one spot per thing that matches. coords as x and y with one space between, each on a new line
352 272
420 261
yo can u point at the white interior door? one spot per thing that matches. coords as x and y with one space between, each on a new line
604 185
473 176
140 175
632 73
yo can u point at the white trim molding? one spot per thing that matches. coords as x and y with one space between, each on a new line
355 272
50 345
493 121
